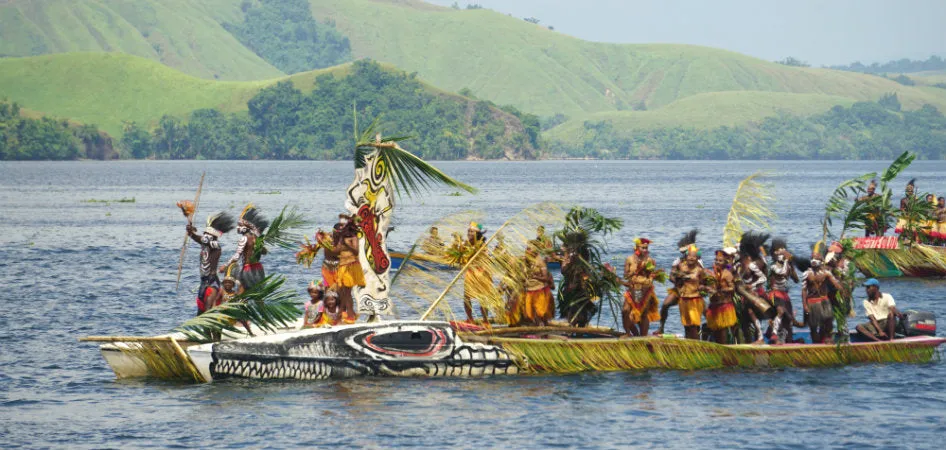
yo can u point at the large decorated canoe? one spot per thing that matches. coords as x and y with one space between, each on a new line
437 349
887 256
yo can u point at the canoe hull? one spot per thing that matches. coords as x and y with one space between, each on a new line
885 257
403 348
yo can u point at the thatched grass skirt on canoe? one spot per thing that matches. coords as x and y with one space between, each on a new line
578 355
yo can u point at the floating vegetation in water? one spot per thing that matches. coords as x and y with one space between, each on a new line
108 202
269 192
455 194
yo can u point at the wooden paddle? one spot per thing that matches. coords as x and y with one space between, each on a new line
190 221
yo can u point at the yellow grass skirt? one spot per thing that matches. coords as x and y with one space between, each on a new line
350 275
648 307
538 305
721 316
691 311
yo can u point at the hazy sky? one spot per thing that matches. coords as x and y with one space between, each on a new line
822 32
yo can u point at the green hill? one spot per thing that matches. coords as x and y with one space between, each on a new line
499 58
184 34
106 89
109 89
510 61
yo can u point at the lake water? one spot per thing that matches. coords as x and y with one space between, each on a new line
72 266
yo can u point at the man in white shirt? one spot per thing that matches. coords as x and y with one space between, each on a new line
881 312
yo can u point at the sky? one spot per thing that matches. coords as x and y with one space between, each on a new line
825 32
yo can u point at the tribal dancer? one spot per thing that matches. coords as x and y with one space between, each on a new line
350 273
753 278
640 301
231 289
672 294
217 225
814 293
721 315
477 280
780 272
330 255
904 202
433 245
842 299
538 307
873 226
691 275
250 226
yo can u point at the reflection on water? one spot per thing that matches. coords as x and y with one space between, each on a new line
70 267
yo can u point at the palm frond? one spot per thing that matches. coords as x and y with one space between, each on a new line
751 209
843 205
280 230
266 305
898 165
409 173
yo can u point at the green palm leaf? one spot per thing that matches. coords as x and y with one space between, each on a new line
898 165
409 173
843 205
266 305
280 231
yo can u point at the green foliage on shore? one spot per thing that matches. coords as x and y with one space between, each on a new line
45 138
284 33
865 130
282 122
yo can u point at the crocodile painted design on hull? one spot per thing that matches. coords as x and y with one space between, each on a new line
427 349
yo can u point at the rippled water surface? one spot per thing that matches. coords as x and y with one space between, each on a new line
72 266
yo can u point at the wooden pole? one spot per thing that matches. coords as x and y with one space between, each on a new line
190 221
462 271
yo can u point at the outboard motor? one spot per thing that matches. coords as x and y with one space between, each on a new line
918 323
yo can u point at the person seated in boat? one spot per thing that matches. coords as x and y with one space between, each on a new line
780 272
433 245
721 314
814 294
326 312
692 283
673 297
538 307
350 273
640 301
477 280
231 289
881 311
542 242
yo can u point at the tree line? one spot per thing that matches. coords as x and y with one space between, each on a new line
23 138
903 65
284 34
865 130
282 122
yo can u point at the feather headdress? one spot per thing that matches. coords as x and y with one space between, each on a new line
687 239
751 243
219 223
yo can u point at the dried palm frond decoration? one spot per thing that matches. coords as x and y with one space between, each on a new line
266 304
419 280
751 209
499 264
579 355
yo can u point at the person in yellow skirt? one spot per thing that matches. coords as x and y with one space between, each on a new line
904 202
640 302
721 315
537 307
940 230
692 276
477 281
350 273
